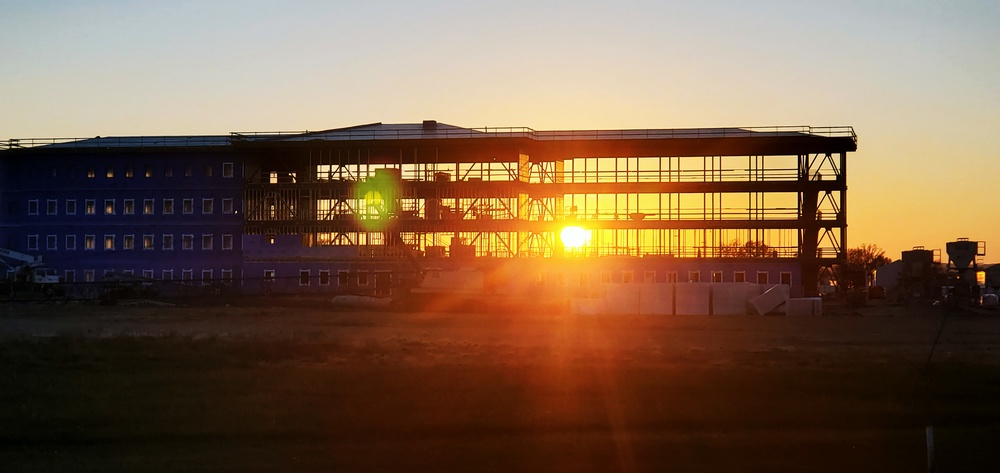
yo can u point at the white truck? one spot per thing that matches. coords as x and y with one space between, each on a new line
27 273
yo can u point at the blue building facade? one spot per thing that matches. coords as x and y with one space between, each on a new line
170 214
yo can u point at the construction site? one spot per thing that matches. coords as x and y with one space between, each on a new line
405 211
426 297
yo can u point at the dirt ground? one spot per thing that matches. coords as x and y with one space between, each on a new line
297 386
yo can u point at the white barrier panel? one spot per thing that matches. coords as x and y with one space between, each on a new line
770 299
730 298
804 306
693 298
656 298
622 299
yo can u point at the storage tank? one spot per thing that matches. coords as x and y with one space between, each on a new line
918 261
962 253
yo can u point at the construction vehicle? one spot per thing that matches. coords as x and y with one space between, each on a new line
26 273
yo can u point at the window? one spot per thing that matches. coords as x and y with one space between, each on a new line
128 272
51 206
605 277
168 242
147 273
168 206
343 278
628 277
208 170
671 276
584 279
716 276
303 277
740 276
207 206
32 242
206 276
269 239
206 242
128 172
188 206
51 242
187 171
649 276
227 206
90 207
147 242
227 277
187 275
70 206
324 277
33 207
70 242
70 276
108 273
227 241
109 206
786 278
147 207
128 242
187 242
149 173
91 173
109 242
362 278
110 171
88 275
167 275
227 170
694 276
761 277
169 171
129 206
88 242
268 275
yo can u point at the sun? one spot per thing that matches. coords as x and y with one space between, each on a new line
574 237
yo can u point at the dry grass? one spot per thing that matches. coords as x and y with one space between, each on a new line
433 392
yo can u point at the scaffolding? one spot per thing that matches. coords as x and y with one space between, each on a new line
509 192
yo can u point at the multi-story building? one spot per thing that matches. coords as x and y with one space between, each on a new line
361 209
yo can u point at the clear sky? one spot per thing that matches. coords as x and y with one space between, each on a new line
919 80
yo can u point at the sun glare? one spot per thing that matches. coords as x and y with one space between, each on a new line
574 237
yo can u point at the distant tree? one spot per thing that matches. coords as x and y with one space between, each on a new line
865 259
750 249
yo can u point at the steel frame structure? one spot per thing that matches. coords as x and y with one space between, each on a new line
778 192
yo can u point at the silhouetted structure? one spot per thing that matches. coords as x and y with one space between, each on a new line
353 208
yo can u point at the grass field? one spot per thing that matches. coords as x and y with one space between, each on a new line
308 389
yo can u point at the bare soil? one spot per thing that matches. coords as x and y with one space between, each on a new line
298 386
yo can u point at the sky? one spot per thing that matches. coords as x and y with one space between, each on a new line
918 80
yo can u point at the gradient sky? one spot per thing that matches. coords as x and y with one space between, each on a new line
918 80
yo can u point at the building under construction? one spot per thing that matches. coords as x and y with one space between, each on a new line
364 208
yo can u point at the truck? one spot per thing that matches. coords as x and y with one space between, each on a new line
27 273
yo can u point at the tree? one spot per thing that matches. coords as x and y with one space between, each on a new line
865 259
750 249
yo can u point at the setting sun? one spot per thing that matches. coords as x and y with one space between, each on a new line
574 237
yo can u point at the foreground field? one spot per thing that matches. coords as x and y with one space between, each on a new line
307 389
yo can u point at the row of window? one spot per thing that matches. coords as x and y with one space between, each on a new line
130 171
344 278
129 206
187 275
628 277
132 242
